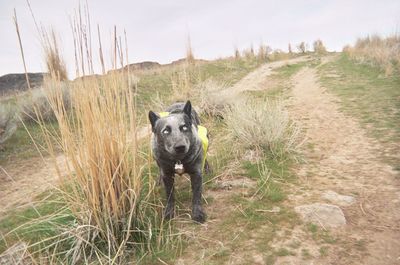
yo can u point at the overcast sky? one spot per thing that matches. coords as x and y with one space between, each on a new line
157 30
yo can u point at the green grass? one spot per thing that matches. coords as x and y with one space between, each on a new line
20 145
367 94
35 223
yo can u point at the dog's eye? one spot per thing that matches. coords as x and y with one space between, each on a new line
184 128
165 131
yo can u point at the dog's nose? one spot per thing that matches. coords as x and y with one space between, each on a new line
180 148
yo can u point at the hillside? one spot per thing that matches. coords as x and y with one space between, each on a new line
328 198
14 83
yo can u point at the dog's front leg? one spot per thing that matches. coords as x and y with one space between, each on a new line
168 180
198 214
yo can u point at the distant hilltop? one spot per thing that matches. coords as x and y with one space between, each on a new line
13 83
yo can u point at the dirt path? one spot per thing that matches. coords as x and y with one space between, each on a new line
340 157
255 79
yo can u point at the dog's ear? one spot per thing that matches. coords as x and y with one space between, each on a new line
187 109
153 119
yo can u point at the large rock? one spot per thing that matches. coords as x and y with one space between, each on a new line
325 215
342 200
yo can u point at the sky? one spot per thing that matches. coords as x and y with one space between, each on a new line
158 30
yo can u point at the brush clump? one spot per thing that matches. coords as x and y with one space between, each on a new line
263 124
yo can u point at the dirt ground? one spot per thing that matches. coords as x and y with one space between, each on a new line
338 156
343 159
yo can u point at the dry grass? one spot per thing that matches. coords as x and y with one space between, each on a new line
108 186
210 101
189 52
263 125
381 52
55 64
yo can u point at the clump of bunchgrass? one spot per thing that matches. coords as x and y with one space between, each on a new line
265 125
107 182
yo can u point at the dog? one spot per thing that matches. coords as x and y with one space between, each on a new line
176 143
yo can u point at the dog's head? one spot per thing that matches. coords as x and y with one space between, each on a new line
174 133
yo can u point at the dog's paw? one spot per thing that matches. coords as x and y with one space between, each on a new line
199 215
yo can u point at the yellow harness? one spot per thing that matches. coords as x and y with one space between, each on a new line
202 132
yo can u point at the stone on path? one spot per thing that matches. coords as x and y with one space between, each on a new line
325 215
342 200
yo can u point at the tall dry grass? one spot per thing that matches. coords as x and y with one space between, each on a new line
189 52
107 184
55 64
264 125
381 52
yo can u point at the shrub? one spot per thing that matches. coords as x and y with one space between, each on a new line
211 101
8 121
319 47
35 106
263 125
302 47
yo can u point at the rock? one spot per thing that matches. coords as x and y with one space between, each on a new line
325 215
342 200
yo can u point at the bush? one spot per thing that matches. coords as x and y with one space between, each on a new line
263 125
8 121
302 47
319 47
211 102
35 106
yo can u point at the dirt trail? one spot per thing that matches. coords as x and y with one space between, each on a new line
24 179
340 157
255 79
